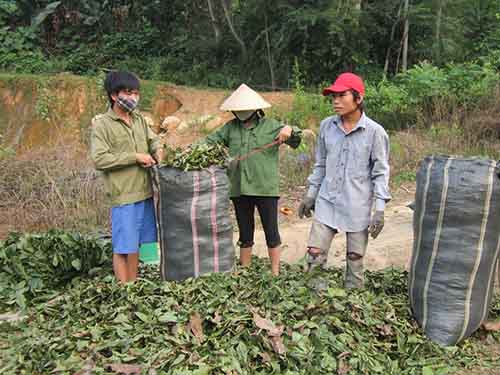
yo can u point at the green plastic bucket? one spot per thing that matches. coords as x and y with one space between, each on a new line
148 253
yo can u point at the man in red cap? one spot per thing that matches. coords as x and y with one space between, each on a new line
350 176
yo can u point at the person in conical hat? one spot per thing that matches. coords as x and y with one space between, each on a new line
253 141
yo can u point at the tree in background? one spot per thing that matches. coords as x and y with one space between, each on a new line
224 42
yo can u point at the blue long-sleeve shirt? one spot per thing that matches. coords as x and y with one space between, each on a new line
350 171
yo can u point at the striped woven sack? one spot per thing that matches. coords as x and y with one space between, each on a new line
456 245
196 233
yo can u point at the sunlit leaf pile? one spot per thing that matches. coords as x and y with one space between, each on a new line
245 322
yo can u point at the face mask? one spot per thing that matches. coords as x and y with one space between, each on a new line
244 115
128 104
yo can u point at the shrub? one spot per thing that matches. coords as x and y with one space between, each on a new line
19 52
389 104
308 109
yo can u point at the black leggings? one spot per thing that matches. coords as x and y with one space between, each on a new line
268 211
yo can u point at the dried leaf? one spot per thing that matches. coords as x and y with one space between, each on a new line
266 357
492 326
217 318
286 211
343 355
81 334
356 316
343 368
9 317
125 369
87 369
195 326
385 330
266 324
278 345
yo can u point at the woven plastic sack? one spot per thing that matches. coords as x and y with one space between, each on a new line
196 233
456 245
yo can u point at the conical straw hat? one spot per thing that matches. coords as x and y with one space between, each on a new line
244 99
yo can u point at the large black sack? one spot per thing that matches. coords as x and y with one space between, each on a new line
196 233
456 245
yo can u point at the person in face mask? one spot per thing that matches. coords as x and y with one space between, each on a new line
254 139
123 146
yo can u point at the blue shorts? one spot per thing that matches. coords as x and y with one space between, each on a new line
132 225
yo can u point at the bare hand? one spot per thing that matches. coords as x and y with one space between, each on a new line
285 133
145 160
159 155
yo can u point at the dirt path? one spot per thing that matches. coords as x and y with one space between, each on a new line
391 248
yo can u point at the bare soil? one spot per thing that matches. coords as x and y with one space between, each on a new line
391 248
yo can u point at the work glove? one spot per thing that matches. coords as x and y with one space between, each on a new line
376 224
306 206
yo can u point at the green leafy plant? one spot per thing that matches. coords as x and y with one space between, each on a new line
32 264
256 324
196 157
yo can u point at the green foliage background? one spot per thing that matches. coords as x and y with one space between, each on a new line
257 41
453 48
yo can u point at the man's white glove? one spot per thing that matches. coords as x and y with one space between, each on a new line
376 224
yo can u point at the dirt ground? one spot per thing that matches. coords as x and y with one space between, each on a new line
391 248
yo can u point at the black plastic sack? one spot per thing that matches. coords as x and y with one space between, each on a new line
456 245
196 233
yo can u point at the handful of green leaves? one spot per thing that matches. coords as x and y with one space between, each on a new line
196 156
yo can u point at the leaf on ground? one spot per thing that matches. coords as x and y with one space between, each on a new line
266 357
278 345
81 334
217 318
386 330
125 369
343 355
77 264
356 316
142 316
169 317
343 368
286 211
87 369
492 326
195 326
11 317
267 325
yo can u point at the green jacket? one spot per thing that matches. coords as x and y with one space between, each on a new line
257 175
113 145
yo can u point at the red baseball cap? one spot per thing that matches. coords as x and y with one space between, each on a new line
345 82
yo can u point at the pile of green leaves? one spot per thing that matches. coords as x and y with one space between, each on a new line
246 322
35 264
196 157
